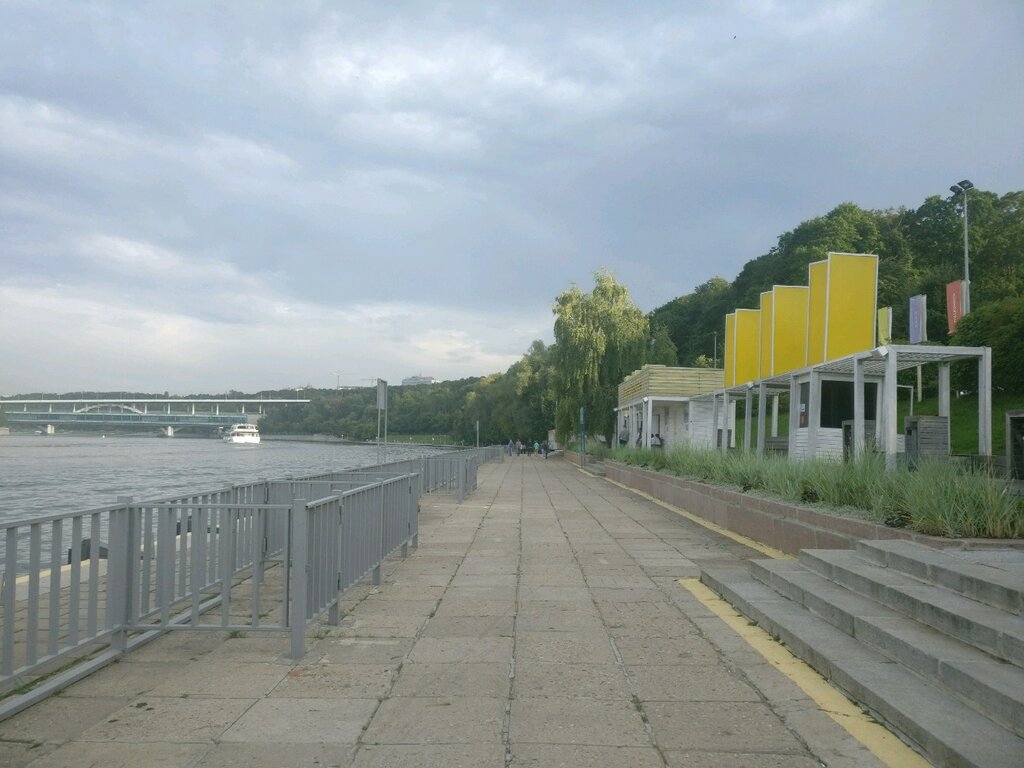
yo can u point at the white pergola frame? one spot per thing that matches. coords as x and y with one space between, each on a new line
881 364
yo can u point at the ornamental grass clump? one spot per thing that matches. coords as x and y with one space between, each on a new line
784 479
944 500
846 484
938 498
746 471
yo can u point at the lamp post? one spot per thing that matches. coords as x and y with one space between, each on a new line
963 186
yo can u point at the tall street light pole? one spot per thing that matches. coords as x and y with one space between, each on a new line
963 186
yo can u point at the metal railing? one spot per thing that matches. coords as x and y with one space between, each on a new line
81 588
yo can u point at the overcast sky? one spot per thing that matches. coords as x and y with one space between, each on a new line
196 199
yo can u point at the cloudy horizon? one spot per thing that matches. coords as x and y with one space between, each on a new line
260 197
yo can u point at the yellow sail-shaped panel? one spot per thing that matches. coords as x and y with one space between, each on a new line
789 331
766 334
730 349
817 311
748 345
851 304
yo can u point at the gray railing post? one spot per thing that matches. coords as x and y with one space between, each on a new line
119 568
408 521
380 546
299 577
334 612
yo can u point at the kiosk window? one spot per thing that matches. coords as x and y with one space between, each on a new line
837 403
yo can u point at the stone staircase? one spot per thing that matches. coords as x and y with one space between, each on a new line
930 642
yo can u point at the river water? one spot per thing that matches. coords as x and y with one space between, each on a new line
44 474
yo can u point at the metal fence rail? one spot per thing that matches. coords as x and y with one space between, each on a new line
84 587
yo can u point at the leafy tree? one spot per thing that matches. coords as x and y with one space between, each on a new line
999 325
660 349
693 320
703 361
600 338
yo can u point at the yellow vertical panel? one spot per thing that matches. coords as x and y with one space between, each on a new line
884 326
851 304
817 306
748 345
730 349
766 335
789 332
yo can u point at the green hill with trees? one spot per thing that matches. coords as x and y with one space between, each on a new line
602 336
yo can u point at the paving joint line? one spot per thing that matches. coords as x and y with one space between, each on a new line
619 662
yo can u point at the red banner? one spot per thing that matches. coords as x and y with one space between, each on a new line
954 303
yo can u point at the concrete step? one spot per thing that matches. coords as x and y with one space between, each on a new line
945 730
994 631
990 686
992 582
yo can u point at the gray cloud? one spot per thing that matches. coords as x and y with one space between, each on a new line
260 196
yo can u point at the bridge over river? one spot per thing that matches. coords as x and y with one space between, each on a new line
168 415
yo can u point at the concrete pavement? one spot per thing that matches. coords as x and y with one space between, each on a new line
539 623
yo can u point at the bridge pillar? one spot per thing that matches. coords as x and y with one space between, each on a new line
169 431
50 429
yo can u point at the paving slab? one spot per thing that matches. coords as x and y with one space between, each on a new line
465 607
117 755
470 626
490 680
661 651
591 722
303 720
690 682
576 756
17 754
593 681
438 720
165 719
325 680
223 679
728 726
292 755
363 650
422 755
120 680
59 718
564 647
686 759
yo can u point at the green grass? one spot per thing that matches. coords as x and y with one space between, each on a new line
937 498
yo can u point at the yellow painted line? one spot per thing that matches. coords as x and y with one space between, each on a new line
746 541
882 743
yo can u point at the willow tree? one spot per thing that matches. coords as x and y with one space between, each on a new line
600 338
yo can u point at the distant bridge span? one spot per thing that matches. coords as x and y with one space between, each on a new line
166 414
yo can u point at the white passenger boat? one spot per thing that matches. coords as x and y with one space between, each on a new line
241 433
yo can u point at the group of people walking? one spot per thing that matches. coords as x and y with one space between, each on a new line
518 448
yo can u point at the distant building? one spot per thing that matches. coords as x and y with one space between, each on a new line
415 381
